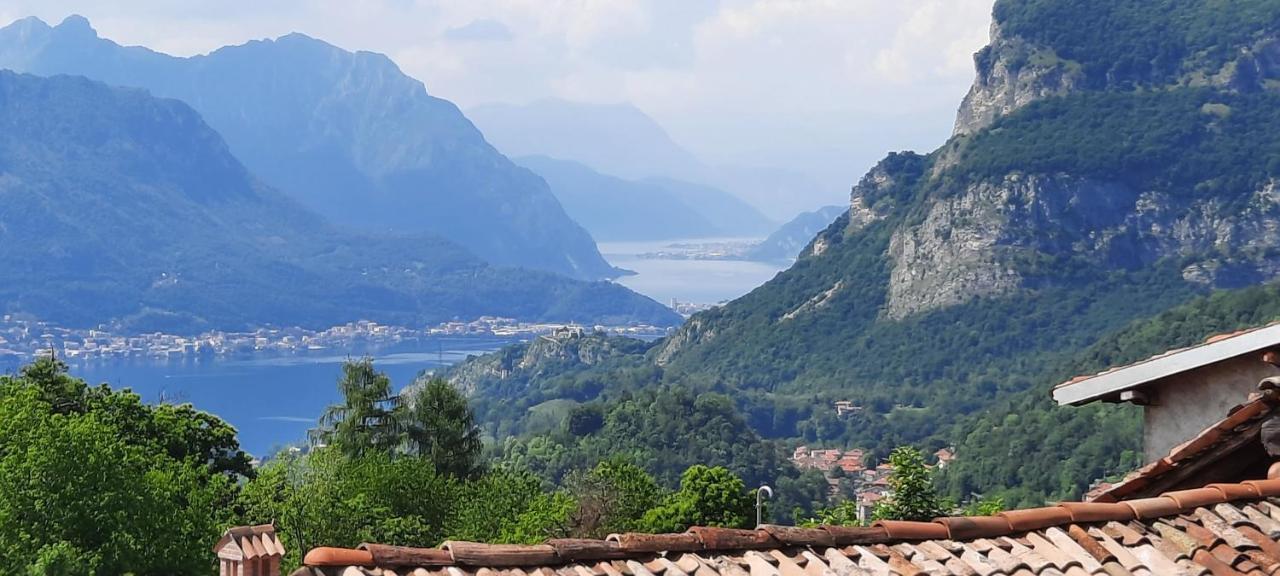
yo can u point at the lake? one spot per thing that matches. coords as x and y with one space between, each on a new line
687 280
272 401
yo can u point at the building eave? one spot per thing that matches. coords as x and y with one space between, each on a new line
1112 382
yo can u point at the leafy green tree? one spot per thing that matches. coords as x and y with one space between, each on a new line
985 506
612 497
707 497
547 516
586 419
843 514
913 495
365 422
326 498
489 508
77 496
181 431
439 426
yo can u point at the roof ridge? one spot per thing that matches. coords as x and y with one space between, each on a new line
772 537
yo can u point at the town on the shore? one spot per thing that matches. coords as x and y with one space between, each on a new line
22 339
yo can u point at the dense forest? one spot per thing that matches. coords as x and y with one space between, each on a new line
1140 42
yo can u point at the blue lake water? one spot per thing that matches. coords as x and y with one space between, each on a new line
275 400
272 401
698 281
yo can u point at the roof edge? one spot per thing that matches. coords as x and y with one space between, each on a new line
769 537
1082 390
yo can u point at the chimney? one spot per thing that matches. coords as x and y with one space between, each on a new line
249 551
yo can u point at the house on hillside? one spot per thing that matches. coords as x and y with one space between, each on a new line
1209 504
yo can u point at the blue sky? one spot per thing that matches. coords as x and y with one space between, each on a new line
823 87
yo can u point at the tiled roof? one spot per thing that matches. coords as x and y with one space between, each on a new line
1213 349
251 541
1230 448
1220 529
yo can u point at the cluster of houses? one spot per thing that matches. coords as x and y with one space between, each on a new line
849 475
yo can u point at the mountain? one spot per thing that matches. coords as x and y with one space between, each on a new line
614 209
725 211
117 207
615 139
347 134
1114 160
623 141
787 241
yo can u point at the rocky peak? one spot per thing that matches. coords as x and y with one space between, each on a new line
1012 73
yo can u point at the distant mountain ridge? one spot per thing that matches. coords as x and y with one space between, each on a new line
621 140
789 239
617 209
346 133
614 209
124 209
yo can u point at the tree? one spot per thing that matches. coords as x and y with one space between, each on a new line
365 422
612 497
440 427
913 495
327 498
181 431
843 514
707 497
78 495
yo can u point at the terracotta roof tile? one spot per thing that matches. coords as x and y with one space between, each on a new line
1234 432
972 527
1220 529
904 530
1036 518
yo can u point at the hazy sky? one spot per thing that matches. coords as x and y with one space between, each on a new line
824 87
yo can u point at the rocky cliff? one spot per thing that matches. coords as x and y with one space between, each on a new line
1011 74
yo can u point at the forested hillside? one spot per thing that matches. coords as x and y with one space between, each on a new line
1074 202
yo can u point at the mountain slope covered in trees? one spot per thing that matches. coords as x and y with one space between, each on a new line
1090 185
347 134
118 207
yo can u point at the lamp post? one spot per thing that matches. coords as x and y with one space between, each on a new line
761 494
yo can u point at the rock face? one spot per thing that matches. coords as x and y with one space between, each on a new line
567 348
1011 74
969 245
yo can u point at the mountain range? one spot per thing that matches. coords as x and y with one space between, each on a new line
122 209
614 209
623 141
1113 160
346 134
